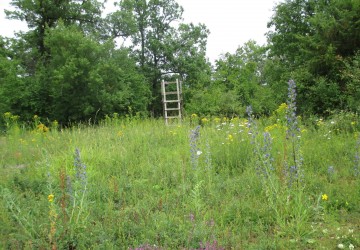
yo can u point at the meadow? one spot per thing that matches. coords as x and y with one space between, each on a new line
205 183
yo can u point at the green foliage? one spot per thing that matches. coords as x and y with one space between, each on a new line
351 74
239 81
141 189
162 48
87 78
41 15
213 101
315 43
8 77
67 67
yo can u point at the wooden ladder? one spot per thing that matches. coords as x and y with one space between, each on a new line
172 99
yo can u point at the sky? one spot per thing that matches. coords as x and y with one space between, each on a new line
231 22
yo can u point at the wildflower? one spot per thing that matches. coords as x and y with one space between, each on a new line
351 246
194 138
353 123
293 168
292 122
194 116
357 158
230 137
14 117
198 153
272 127
324 197
331 170
51 197
42 128
235 119
320 122
7 115
264 164
120 133
55 124
80 169
340 246
282 108
208 156
251 124
204 120
217 120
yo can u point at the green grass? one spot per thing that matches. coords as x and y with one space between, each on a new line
142 188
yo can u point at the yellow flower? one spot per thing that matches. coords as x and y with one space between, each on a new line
272 127
320 122
281 109
204 120
55 124
42 128
7 115
194 116
217 120
230 137
51 197
324 197
235 119
120 133
14 117
353 123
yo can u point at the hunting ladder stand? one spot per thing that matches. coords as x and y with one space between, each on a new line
172 100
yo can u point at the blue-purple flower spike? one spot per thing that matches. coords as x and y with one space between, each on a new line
251 124
291 118
357 159
80 169
194 150
294 165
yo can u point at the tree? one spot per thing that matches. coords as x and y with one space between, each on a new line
43 14
242 73
8 76
161 47
88 78
310 41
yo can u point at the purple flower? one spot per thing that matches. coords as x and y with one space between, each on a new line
357 159
194 149
294 164
80 168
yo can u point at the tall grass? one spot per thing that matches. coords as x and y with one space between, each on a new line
138 184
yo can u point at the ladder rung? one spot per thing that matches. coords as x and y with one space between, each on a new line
171 93
170 101
168 109
171 117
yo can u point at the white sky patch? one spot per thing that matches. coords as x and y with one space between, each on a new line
231 22
7 27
